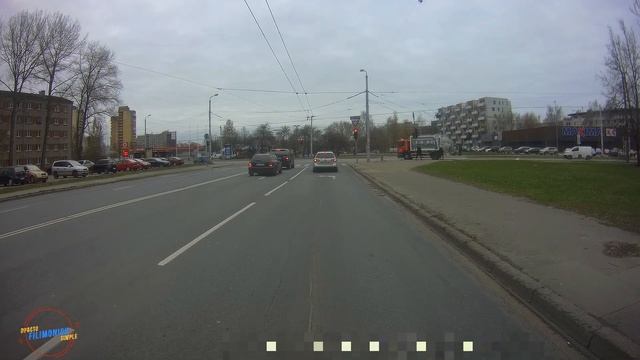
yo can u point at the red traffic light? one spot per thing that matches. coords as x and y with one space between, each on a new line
355 133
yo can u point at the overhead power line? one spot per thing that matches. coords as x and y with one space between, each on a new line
289 55
273 53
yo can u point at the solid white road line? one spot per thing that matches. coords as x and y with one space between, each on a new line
46 347
260 178
169 258
122 187
294 176
107 207
14 209
276 188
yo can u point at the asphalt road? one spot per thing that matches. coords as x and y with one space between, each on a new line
214 263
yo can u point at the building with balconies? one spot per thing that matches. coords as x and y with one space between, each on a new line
29 128
474 122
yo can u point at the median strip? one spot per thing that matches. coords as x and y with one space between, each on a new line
170 258
107 207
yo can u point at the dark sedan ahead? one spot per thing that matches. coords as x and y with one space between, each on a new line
264 164
286 157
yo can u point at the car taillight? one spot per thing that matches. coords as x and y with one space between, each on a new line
286 158
270 164
334 159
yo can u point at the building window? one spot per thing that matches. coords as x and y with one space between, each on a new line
56 108
64 122
493 108
494 102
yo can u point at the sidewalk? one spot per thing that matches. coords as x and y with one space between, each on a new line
547 249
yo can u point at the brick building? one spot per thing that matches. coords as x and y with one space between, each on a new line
30 128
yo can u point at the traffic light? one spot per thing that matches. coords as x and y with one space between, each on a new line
415 132
355 134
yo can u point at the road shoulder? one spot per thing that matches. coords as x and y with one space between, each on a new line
603 340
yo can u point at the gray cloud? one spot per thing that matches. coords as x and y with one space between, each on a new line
533 52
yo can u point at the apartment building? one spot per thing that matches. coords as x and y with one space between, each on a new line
29 130
165 139
123 129
474 122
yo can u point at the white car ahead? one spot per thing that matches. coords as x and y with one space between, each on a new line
325 160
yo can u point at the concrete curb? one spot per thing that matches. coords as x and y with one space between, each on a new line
98 182
587 331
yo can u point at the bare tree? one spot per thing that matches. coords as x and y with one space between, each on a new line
554 114
95 145
622 80
95 89
530 120
59 42
19 50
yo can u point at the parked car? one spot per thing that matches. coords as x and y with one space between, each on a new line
325 160
492 149
105 166
157 162
66 168
128 165
197 160
174 160
35 174
578 152
285 156
549 150
13 175
533 150
506 149
265 164
144 164
216 156
521 150
88 163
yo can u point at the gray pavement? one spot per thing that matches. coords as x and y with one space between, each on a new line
324 257
560 249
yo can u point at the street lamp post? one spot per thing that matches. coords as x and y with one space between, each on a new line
146 145
366 126
209 140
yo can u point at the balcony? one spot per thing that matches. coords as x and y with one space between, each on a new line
480 118
474 112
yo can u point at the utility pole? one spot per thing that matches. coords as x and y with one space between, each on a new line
311 137
209 140
601 133
366 124
146 142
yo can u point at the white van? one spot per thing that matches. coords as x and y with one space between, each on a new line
579 152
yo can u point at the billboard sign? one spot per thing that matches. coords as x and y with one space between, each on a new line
582 131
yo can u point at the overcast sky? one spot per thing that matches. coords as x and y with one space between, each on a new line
434 53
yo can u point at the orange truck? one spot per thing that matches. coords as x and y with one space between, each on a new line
429 144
